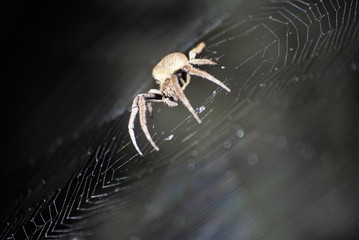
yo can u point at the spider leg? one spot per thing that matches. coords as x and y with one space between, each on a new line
182 97
196 50
149 108
143 120
161 98
197 72
140 104
169 102
202 61
183 79
149 103
155 91
131 123
186 81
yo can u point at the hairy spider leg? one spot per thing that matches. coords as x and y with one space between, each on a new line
131 123
149 108
140 105
196 50
183 79
182 97
143 121
159 97
164 99
202 61
200 73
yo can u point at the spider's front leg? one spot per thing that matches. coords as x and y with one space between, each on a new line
202 61
199 61
141 104
196 50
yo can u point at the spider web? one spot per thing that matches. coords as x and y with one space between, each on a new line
270 159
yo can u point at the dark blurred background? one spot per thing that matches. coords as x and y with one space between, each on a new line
50 48
274 159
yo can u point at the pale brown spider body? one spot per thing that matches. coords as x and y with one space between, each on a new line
173 74
169 65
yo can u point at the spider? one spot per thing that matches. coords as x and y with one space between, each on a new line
173 74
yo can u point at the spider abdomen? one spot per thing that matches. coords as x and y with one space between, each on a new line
169 65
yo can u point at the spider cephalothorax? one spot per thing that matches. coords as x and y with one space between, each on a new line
173 74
